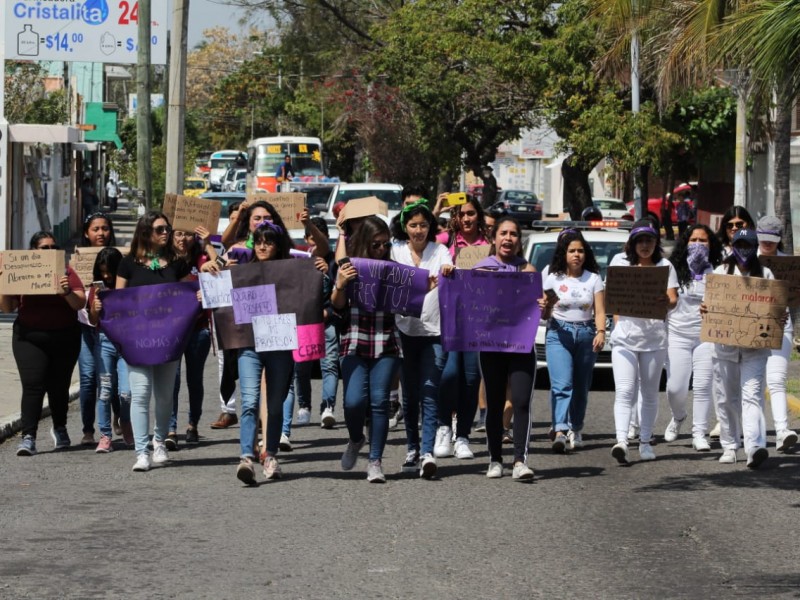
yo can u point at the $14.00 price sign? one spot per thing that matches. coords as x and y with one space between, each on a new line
84 30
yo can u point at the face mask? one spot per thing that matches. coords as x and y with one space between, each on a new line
697 258
744 255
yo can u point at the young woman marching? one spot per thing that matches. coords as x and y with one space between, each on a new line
639 349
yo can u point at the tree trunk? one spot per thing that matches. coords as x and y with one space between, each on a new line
783 128
577 193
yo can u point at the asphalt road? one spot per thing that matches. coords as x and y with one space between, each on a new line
80 525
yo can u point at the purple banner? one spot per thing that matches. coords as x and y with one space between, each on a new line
489 311
150 324
256 300
388 286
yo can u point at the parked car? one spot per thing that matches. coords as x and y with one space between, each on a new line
654 210
194 186
606 242
523 205
612 208
391 193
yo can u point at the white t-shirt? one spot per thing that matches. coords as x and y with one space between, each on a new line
642 335
575 295
433 257
684 320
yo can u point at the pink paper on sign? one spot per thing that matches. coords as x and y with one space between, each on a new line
310 342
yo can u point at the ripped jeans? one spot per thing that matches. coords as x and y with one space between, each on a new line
112 373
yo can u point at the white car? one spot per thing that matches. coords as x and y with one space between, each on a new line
391 193
606 243
612 208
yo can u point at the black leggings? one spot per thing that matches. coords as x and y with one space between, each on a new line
519 371
45 360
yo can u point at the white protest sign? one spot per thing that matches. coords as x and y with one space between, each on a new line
216 289
275 332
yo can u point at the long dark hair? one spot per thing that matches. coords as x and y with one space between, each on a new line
359 244
679 253
38 236
559 263
630 245
454 226
142 243
497 224
243 220
275 234
109 258
194 250
408 213
733 211
87 222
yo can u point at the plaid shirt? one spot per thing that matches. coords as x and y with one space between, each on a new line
369 335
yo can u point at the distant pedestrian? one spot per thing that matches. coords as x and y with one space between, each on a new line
666 216
89 200
683 211
112 193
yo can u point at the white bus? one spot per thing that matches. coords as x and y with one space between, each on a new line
265 156
219 163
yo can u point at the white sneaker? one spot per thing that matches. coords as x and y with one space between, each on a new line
700 443
646 452
756 456
303 416
375 472
575 439
728 457
673 429
160 454
427 467
285 445
633 432
522 472
495 470
714 433
620 452
462 449
142 462
785 439
560 443
327 420
443 448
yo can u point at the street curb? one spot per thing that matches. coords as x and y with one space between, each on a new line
10 426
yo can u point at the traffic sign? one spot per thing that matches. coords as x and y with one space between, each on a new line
102 31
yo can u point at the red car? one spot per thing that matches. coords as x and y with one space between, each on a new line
654 210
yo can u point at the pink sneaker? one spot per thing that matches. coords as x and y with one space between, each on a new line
104 446
272 469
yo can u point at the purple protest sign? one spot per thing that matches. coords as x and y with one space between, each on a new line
388 286
489 311
252 301
150 324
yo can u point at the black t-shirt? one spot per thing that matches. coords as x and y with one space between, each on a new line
137 274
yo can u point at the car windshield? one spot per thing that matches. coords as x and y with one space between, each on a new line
194 185
604 251
520 197
610 204
222 163
392 197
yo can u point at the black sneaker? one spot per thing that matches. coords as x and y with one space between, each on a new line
60 437
192 436
412 462
172 441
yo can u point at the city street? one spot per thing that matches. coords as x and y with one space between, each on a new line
76 524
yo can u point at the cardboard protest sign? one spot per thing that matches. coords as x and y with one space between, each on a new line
364 207
637 292
489 311
298 290
744 311
289 207
785 268
150 324
252 301
31 272
83 259
216 289
192 212
168 206
275 332
469 256
388 286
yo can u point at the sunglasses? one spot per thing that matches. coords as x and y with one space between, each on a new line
379 245
736 225
162 229
48 247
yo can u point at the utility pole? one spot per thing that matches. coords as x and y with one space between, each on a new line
177 98
4 145
639 202
144 137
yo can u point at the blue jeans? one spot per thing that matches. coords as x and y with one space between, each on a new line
330 368
278 367
367 381
423 363
195 354
113 375
570 361
461 380
299 386
158 381
88 377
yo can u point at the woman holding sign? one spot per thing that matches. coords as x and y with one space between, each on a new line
508 369
370 354
151 261
639 348
424 358
46 342
248 219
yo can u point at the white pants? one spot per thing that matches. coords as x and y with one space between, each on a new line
777 367
739 394
630 366
687 357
